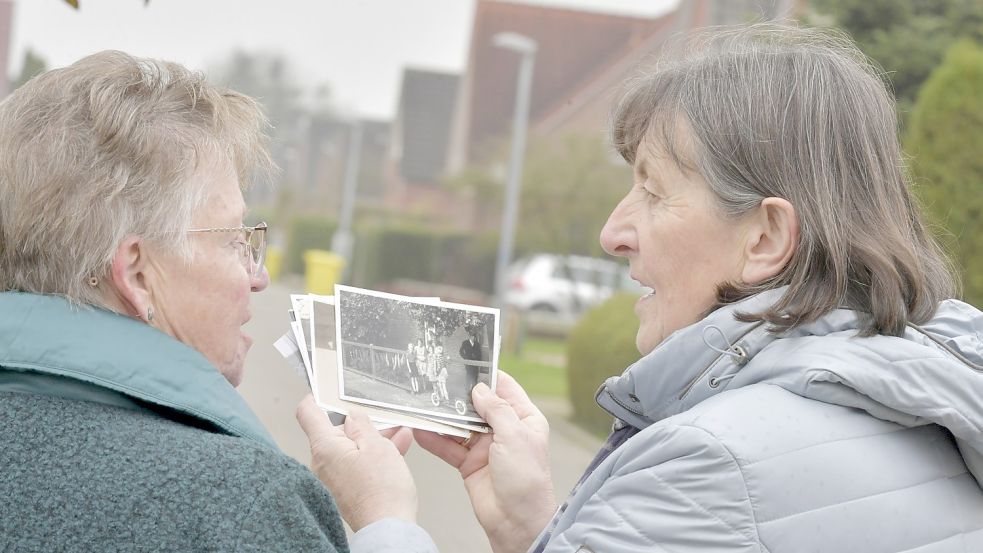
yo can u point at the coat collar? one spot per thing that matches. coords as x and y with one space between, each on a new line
689 366
927 375
105 351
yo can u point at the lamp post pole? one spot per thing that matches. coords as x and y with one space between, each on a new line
342 240
527 48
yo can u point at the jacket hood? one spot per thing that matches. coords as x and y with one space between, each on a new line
933 374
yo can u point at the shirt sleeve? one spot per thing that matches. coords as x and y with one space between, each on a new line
391 535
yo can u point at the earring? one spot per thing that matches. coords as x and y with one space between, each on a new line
150 314
93 281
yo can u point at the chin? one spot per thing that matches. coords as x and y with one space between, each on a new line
650 335
234 370
234 376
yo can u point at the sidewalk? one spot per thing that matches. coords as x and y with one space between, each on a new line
273 392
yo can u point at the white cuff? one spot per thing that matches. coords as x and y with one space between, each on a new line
392 535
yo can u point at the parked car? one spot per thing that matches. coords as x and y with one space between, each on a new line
565 285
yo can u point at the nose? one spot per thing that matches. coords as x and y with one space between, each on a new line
260 281
618 236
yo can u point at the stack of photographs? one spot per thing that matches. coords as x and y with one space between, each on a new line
405 361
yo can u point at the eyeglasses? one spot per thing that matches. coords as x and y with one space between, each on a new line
252 247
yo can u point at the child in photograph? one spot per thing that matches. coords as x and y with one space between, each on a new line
411 368
420 353
431 369
440 363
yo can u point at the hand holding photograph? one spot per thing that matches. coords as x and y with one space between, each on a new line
406 361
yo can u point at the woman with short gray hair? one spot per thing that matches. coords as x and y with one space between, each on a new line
805 385
126 271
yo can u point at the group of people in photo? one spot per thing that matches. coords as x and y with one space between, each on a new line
426 365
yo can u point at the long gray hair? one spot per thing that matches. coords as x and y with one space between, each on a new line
799 114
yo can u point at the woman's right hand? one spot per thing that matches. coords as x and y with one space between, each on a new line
507 472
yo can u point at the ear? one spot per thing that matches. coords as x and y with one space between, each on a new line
129 277
772 239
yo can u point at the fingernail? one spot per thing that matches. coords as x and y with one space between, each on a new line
481 389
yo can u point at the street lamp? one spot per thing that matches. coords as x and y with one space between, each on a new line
526 47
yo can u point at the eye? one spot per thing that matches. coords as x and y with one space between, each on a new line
647 188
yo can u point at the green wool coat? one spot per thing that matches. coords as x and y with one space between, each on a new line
116 437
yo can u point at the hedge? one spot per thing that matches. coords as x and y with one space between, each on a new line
386 253
306 233
944 140
601 345
383 253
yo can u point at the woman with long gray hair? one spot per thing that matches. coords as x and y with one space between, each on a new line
806 383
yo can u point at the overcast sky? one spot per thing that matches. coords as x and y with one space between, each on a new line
357 47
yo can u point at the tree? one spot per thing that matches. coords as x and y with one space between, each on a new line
944 140
908 39
570 184
268 78
33 66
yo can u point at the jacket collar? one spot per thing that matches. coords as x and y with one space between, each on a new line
928 375
689 366
45 335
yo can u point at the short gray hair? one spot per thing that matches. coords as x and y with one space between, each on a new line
799 114
105 149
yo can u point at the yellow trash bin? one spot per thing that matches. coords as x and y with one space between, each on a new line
273 261
322 271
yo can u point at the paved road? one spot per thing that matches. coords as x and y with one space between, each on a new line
273 391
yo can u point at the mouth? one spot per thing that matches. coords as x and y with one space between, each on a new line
647 292
646 289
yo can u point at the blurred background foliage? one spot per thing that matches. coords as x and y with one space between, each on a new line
944 139
907 39
570 183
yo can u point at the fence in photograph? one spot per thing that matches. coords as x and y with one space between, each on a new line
389 365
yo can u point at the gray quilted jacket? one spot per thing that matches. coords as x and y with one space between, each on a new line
817 440
812 441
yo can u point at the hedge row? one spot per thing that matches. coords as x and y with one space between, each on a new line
601 345
384 253
306 233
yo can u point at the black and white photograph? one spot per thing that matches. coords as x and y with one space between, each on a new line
413 354
326 390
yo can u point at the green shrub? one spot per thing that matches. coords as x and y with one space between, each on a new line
944 142
601 345
307 233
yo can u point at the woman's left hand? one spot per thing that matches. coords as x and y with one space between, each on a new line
506 473
364 470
